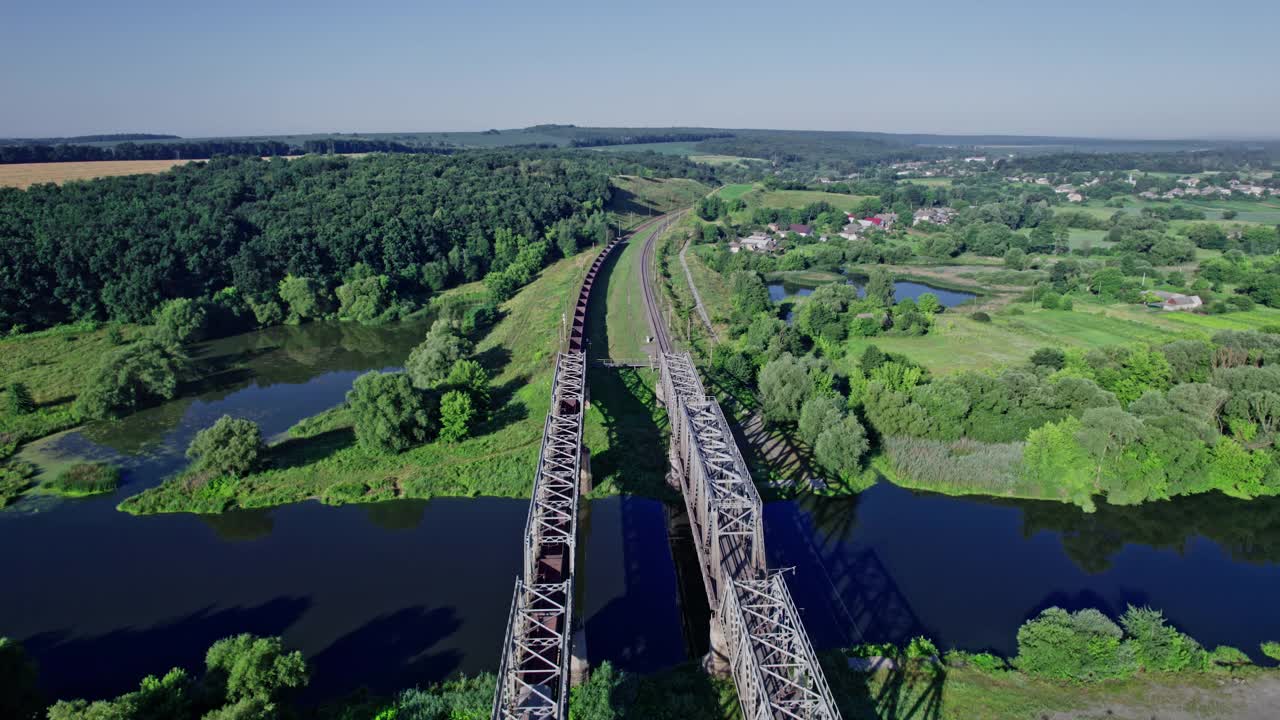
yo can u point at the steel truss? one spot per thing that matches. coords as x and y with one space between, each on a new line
533 677
772 662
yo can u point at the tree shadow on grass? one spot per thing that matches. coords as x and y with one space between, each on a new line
508 409
635 461
769 449
299 452
910 690
625 202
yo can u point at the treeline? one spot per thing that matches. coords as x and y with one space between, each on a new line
803 153
201 150
116 137
640 139
400 227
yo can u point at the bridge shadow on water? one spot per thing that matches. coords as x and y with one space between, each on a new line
392 652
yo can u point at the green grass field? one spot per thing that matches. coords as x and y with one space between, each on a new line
931 182
621 321
733 192
959 343
801 198
1092 238
636 199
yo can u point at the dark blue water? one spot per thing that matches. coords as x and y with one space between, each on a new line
903 289
410 592
891 564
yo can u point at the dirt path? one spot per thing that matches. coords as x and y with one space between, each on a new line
1256 698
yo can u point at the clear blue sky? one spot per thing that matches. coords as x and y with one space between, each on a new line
1121 68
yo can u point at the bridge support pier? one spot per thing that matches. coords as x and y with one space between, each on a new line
579 668
584 472
716 662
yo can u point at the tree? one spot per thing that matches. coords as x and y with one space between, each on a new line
251 668
368 300
1015 259
594 699
784 386
841 447
880 287
1105 431
456 415
157 698
817 414
928 304
1157 645
1081 646
181 321
230 447
20 401
470 377
130 377
307 298
19 694
1047 357
430 362
390 414
1271 650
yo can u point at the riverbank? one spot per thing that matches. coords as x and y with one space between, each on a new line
318 459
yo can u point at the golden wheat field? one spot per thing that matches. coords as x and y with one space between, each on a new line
24 174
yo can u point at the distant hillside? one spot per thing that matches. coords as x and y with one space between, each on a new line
85 139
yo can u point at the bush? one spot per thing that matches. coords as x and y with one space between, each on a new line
980 317
390 414
231 447
1157 645
841 447
1271 650
144 372
250 668
1081 646
86 479
456 415
1051 358
1225 657
20 401
921 648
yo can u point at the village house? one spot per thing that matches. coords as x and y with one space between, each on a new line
1189 181
755 242
801 230
886 219
1064 189
1148 195
1075 197
1175 302
937 216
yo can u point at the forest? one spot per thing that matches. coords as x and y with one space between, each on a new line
40 152
119 248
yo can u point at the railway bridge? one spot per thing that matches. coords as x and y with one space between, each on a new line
756 632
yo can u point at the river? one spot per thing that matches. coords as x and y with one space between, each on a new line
409 592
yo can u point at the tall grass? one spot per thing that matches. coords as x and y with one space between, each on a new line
85 479
962 467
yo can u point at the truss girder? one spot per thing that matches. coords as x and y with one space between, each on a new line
773 664
533 677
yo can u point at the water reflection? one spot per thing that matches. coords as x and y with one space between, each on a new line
969 571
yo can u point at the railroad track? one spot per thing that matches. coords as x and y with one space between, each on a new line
647 258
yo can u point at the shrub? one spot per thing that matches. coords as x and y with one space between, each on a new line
456 415
921 648
307 299
231 447
1079 646
180 321
1225 657
390 414
471 378
368 300
1157 645
20 401
1271 650
841 447
817 414
135 375
86 479
250 668
980 317
1051 358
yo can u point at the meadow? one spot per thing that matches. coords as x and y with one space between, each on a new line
636 199
23 175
